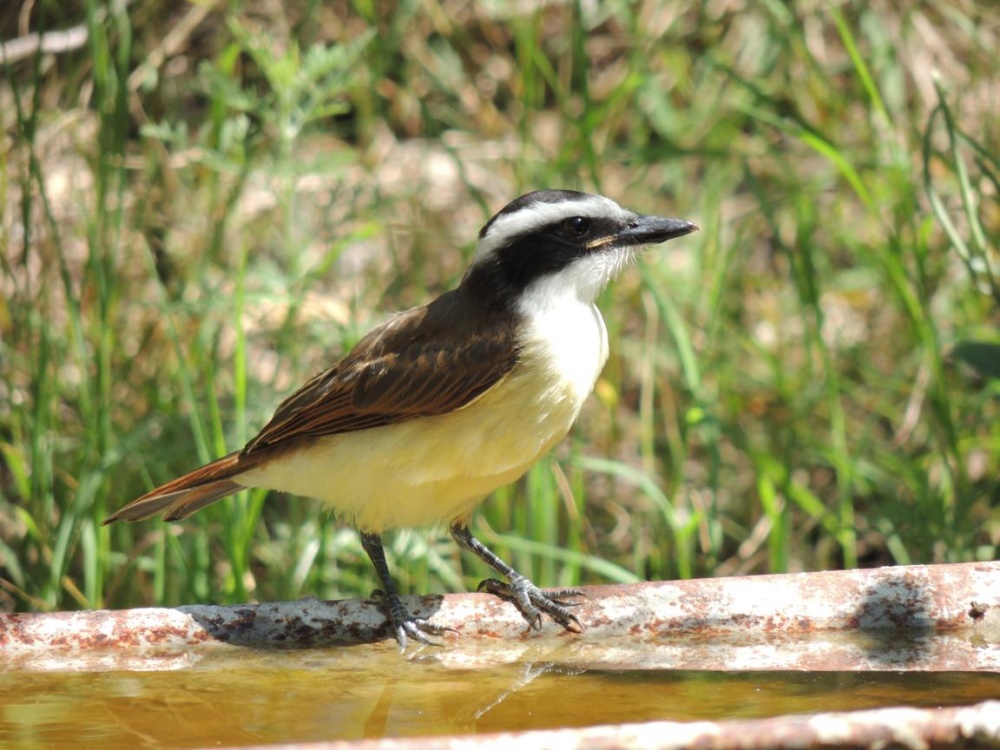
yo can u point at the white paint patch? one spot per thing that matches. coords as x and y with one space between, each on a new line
538 215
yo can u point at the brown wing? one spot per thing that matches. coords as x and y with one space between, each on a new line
430 360
426 361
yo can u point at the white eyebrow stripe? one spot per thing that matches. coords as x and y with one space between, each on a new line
537 215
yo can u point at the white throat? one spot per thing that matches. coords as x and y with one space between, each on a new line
564 334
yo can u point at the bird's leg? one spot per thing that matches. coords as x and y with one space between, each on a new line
530 600
403 623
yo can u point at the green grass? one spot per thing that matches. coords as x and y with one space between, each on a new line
199 216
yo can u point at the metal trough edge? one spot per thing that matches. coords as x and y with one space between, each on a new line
933 618
975 726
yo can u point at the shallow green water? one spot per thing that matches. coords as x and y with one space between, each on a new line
254 697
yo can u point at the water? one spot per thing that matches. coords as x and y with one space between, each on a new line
244 696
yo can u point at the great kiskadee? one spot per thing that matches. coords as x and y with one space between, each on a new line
442 404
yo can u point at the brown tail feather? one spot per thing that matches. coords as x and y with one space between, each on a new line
194 500
185 495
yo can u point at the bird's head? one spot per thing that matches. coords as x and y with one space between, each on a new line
574 241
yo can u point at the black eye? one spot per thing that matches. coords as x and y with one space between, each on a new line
577 226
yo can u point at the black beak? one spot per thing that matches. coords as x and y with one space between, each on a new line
650 230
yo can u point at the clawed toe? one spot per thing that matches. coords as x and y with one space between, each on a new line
532 602
418 629
405 625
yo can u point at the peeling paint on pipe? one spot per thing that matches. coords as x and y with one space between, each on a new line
938 617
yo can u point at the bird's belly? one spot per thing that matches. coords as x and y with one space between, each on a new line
438 469
434 469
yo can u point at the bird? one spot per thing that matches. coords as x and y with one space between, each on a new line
442 404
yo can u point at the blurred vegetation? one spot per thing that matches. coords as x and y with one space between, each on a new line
204 204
